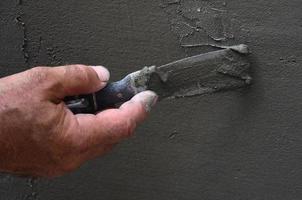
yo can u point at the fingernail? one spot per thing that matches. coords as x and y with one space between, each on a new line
148 98
102 73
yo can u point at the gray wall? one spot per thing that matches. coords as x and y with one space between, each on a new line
244 144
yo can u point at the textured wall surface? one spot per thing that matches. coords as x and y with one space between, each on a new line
244 144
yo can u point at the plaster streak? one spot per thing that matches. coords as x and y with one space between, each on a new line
24 46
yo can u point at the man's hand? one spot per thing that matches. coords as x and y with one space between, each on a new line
39 136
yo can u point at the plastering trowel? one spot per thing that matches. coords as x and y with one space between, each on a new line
219 70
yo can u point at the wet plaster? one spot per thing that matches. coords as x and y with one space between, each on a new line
221 70
241 144
207 73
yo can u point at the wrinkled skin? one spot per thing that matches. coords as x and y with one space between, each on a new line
39 136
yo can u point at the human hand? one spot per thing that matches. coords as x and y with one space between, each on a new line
40 136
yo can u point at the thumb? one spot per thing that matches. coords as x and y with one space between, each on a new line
79 79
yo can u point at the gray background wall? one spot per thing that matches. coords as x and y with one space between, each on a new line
244 144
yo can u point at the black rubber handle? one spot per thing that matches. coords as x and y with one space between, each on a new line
111 96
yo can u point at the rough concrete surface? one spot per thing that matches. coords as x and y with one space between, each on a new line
244 144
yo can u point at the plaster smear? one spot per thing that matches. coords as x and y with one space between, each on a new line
215 71
200 22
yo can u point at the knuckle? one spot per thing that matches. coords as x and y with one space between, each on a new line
79 72
131 127
39 74
126 128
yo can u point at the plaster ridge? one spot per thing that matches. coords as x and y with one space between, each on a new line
24 46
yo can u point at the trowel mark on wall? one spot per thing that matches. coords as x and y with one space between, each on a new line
201 21
173 135
209 18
